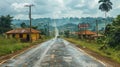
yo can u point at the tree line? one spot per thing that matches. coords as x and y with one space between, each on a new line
112 32
5 23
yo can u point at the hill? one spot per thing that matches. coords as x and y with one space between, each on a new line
62 23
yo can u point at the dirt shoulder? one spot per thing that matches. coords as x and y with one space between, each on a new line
106 60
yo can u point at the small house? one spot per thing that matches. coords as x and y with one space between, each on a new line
89 34
97 36
24 34
85 34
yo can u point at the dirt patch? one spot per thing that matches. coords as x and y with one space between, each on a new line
106 60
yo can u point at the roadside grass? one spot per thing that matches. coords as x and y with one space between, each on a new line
8 46
109 52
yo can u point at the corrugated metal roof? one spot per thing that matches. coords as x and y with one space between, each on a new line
23 30
97 35
87 32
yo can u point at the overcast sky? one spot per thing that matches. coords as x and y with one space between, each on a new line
56 8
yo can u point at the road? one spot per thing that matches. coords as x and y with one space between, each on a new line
53 53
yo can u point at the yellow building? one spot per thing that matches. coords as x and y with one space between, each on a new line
24 34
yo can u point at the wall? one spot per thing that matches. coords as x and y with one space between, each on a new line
34 36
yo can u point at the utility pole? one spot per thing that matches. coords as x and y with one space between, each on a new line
30 5
48 29
85 30
97 27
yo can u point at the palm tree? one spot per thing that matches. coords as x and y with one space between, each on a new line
105 6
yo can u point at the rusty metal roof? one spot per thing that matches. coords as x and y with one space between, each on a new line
97 35
87 32
23 30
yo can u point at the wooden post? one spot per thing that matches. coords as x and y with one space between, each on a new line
30 20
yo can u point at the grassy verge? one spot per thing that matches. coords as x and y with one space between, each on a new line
109 52
8 46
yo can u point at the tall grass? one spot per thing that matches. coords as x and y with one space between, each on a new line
109 52
8 46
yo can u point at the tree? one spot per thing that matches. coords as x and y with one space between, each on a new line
67 33
108 29
113 31
105 6
115 38
5 23
34 27
23 25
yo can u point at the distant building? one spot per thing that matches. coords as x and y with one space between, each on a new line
23 34
97 36
88 34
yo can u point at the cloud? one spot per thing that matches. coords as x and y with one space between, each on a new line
56 8
19 7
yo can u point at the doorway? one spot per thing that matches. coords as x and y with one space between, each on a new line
28 37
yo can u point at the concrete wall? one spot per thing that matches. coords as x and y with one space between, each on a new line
34 36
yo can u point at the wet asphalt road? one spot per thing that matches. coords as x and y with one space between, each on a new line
53 53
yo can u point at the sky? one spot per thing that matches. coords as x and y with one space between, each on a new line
56 8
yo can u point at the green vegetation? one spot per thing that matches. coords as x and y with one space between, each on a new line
5 23
67 33
8 46
112 33
107 46
105 5
92 45
23 25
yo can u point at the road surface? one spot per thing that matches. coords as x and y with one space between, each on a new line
53 53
